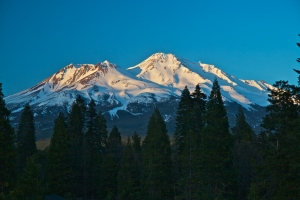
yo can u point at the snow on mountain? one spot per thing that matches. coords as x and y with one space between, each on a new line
104 83
174 72
155 79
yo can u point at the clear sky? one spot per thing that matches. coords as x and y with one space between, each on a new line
250 39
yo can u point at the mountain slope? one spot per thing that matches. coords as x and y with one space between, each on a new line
128 97
168 70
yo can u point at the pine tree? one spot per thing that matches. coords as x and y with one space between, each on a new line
94 143
129 175
278 176
216 150
108 185
136 143
157 173
245 154
137 151
25 139
183 119
188 181
114 144
75 133
242 130
7 148
30 184
58 164
198 112
110 166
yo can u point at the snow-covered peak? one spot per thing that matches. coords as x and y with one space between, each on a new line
160 75
171 71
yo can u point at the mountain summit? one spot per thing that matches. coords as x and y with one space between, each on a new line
132 93
168 70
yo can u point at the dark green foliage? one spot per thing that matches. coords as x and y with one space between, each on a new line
75 133
136 143
189 178
30 184
217 172
110 166
198 112
190 122
25 140
114 144
245 154
7 148
108 185
137 152
242 130
94 143
278 174
183 119
157 175
129 175
58 163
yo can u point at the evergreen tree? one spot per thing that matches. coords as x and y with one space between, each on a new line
25 139
108 185
242 130
245 154
110 166
278 175
58 164
129 175
183 119
94 144
7 149
30 184
188 181
216 150
157 174
136 143
75 133
114 144
198 112
137 151
190 122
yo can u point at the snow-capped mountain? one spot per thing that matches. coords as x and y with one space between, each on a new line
168 70
127 96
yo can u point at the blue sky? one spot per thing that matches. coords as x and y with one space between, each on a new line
253 39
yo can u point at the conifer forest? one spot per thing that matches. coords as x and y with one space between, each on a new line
204 159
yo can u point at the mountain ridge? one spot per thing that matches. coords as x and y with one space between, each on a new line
134 92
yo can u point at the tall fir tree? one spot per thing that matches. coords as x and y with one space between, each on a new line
7 149
244 154
217 172
183 125
198 112
129 175
278 176
108 186
114 144
94 143
137 151
157 163
183 119
75 133
29 185
58 164
25 138
136 143
189 177
190 122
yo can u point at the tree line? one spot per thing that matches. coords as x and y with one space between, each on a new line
205 159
